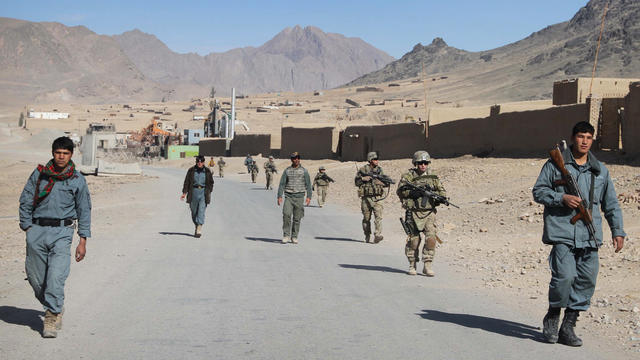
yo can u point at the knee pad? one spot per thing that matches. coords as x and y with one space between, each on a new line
431 243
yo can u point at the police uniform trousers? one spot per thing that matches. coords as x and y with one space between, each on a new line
573 276
198 206
292 213
426 225
47 263
369 205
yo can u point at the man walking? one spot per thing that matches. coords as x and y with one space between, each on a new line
221 165
294 185
55 196
269 170
321 184
574 256
197 188
371 191
420 212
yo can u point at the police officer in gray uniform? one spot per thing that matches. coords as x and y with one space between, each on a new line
55 195
197 188
294 184
574 255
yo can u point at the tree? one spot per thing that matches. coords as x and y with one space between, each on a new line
212 93
21 120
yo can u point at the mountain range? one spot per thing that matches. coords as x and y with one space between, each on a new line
526 69
50 62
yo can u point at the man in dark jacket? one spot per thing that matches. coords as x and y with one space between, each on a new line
197 188
574 256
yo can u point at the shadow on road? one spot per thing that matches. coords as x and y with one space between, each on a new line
498 326
337 239
175 233
263 239
373 267
25 317
259 188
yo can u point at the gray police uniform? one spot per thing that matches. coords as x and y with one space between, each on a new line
294 184
574 256
198 204
49 247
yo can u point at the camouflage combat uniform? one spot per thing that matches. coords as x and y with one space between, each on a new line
371 193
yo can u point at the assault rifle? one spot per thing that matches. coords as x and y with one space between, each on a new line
384 179
271 168
326 177
571 185
427 193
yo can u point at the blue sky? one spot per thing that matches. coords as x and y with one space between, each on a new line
395 27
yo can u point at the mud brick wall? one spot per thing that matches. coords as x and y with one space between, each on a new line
512 134
212 147
565 92
253 144
311 143
631 121
609 133
395 141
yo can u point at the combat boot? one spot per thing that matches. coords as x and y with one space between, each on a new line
427 270
49 325
285 239
367 238
550 325
198 231
567 336
59 320
412 269
377 239
294 240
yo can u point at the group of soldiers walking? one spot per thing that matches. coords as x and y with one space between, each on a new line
56 197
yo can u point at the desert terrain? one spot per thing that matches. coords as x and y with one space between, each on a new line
492 242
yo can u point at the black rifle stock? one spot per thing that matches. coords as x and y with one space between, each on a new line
570 183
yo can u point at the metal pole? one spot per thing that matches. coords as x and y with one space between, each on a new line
233 113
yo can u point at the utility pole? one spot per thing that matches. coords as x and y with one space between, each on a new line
595 63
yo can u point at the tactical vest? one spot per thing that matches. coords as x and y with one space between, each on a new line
427 179
369 189
295 180
320 181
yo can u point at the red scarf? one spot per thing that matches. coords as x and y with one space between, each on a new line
49 171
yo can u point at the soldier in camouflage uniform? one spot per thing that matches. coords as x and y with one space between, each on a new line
253 170
321 183
221 165
294 185
420 215
371 193
269 170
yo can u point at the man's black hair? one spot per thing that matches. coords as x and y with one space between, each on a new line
583 127
62 142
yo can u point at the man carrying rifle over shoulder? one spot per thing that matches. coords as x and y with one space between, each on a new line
371 183
421 192
571 186
321 184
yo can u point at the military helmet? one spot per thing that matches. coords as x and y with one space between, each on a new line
372 156
421 156
270 157
321 168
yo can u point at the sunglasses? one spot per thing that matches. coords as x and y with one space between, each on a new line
422 163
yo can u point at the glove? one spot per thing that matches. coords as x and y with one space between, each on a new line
377 182
366 178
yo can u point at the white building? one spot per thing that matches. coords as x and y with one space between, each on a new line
47 115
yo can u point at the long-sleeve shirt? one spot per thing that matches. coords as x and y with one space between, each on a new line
557 216
69 199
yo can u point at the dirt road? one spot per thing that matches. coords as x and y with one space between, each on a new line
148 289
